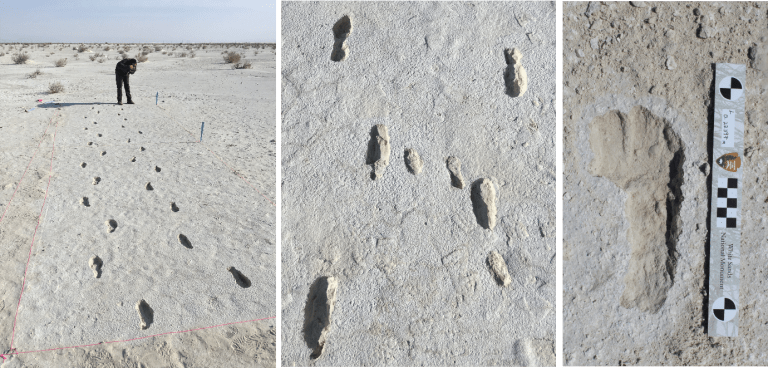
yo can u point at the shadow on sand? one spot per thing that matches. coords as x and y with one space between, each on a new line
65 104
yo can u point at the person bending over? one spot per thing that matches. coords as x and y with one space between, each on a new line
123 69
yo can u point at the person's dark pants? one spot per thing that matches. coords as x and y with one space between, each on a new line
122 79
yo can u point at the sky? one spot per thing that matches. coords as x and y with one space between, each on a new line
137 21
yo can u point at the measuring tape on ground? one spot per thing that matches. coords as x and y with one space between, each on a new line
727 185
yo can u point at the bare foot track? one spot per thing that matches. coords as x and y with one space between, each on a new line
484 203
642 155
454 168
240 279
146 314
111 226
413 161
95 264
499 268
318 311
341 31
379 150
515 76
183 240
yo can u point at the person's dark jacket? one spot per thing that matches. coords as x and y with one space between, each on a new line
124 66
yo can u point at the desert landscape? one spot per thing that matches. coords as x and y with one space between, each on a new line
118 223
636 200
418 183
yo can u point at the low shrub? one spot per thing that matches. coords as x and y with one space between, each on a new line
232 57
20 58
55 87
244 65
35 74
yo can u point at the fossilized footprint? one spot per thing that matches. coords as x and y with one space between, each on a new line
643 156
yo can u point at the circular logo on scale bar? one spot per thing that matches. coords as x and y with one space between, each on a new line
731 88
724 309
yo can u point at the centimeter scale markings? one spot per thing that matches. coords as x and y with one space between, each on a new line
725 229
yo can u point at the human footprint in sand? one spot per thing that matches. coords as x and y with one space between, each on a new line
123 69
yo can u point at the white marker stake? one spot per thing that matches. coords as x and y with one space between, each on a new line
725 226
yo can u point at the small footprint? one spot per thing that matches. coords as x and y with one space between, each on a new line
484 203
240 279
90 143
341 31
515 77
129 140
146 314
95 263
378 150
454 167
85 128
142 148
174 208
103 153
149 186
111 226
82 164
84 201
157 168
317 313
133 159
184 241
96 180
140 132
99 134
499 268
94 122
413 161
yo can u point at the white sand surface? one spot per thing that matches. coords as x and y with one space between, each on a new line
407 251
228 217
